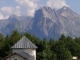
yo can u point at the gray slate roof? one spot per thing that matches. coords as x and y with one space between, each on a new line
22 54
25 55
24 43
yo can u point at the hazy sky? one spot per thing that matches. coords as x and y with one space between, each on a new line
28 7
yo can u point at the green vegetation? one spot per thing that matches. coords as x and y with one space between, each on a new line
62 49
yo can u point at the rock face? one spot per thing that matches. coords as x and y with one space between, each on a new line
21 23
47 22
52 23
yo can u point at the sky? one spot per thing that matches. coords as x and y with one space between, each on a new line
28 7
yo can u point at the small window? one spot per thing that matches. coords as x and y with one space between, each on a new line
15 59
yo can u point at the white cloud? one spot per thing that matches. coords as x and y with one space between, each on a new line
11 10
17 11
31 12
35 0
17 7
56 3
7 11
1 16
29 5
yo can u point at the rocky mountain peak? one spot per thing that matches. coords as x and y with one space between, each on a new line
65 9
66 12
47 22
12 16
44 11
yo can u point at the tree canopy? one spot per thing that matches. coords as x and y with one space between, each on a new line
62 49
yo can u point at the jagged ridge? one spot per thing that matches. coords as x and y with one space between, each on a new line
47 22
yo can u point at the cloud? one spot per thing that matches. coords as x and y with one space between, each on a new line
56 3
35 0
29 5
26 7
10 10
31 12
7 11
1 16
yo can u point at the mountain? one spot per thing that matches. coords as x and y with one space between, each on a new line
52 23
47 22
21 23
70 22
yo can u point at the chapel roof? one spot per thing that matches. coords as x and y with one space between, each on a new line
21 54
24 42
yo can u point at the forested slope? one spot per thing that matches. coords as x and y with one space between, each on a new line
62 49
